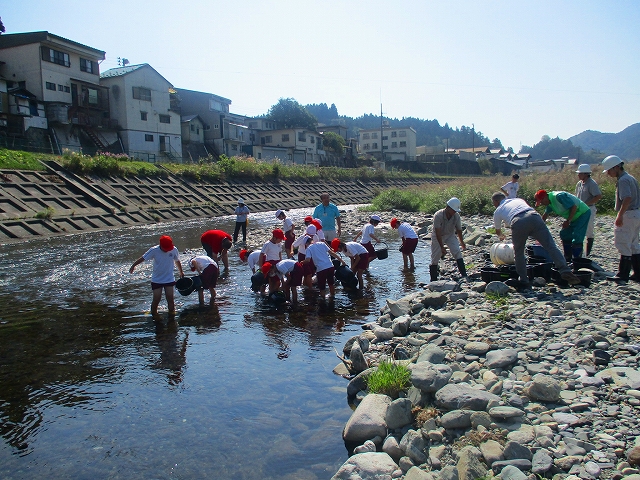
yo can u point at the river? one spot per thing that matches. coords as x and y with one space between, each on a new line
92 387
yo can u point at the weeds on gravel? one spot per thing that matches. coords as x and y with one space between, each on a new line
421 415
389 379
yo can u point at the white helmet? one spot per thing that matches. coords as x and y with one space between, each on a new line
610 162
454 203
584 168
240 201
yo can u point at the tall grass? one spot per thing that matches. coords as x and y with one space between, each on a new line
475 193
108 165
389 379
19 160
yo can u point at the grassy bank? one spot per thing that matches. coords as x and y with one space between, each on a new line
475 193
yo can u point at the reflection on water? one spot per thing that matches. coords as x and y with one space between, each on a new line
93 387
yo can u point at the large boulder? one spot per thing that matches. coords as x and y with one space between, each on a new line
469 465
414 445
369 465
431 354
501 358
544 388
368 420
429 377
462 396
399 413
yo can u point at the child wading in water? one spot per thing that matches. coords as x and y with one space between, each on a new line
164 256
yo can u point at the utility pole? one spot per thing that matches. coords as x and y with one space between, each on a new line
381 146
473 139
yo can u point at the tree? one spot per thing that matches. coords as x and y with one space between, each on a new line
2 29
288 113
333 142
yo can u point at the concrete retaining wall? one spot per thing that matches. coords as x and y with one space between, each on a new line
58 202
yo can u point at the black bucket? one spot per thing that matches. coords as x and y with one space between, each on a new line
582 262
533 259
257 281
187 285
585 278
382 253
539 270
345 275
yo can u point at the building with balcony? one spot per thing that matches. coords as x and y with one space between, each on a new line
388 144
289 145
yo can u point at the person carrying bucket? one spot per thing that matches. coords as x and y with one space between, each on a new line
164 256
208 272
357 253
367 234
447 225
576 214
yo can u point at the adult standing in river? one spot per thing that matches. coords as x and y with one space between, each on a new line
447 225
626 230
589 192
164 256
329 215
242 218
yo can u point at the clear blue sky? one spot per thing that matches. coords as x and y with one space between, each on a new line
518 70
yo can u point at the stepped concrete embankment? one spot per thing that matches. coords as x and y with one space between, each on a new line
39 204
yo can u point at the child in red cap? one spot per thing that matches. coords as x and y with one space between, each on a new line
164 256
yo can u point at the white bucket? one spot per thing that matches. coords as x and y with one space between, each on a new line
502 254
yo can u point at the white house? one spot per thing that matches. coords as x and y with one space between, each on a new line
139 98
396 143
290 146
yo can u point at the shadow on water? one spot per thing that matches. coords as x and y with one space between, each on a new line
243 388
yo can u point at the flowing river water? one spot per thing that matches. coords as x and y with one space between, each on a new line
92 387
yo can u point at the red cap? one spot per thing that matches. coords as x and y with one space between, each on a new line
243 254
540 194
335 244
308 219
394 223
166 244
316 224
277 233
266 266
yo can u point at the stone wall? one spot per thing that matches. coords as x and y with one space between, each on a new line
57 202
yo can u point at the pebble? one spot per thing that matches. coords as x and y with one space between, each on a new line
556 379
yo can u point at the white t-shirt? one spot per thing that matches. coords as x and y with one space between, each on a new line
202 262
272 251
355 248
285 266
287 224
367 231
252 261
163 264
319 253
406 231
511 188
300 242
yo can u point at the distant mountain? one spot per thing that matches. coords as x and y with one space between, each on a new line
625 144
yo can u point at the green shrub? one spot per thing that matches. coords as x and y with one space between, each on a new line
389 379
46 214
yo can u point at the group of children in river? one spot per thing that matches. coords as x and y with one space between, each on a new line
284 263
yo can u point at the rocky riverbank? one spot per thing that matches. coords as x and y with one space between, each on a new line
540 383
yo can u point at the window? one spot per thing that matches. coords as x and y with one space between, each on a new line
206 127
93 96
60 88
285 137
394 134
55 56
313 139
234 147
403 144
67 89
365 146
140 93
51 86
394 144
148 137
385 137
374 145
259 156
374 135
365 136
267 139
302 137
215 127
403 133
164 118
143 116
385 148
88 66
193 128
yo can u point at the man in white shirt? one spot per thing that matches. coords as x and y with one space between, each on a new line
510 189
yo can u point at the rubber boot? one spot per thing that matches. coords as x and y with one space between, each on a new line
434 270
589 246
566 247
635 264
576 250
461 268
623 270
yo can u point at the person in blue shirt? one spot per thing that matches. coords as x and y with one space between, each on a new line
576 214
329 215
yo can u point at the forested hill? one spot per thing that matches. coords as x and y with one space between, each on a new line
428 132
625 144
